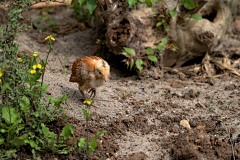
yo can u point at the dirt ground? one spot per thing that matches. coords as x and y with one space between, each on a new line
148 123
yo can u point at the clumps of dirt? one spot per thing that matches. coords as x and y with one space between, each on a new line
230 87
138 156
122 32
195 144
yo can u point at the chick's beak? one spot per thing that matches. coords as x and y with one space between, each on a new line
105 78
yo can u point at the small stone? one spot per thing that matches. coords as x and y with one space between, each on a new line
176 126
185 124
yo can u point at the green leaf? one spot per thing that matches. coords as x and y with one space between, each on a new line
25 104
82 143
142 1
1 141
19 141
189 4
99 133
53 21
161 16
152 58
44 87
85 113
158 24
15 116
160 45
187 15
181 3
103 90
41 19
67 131
121 95
197 94
166 28
134 92
173 12
175 46
92 146
81 2
155 10
149 50
149 3
129 51
125 54
131 63
139 64
156 50
93 143
164 40
197 16
152 16
131 3
45 129
92 5
59 100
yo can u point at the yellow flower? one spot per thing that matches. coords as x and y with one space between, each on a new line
33 71
88 102
0 80
35 54
0 73
39 66
20 59
34 66
51 38
46 37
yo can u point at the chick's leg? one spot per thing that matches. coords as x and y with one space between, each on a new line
81 91
93 93
84 98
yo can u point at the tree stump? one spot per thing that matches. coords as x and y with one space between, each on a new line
133 27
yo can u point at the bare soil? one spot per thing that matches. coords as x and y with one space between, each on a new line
145 123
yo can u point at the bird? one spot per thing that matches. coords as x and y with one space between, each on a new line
90 72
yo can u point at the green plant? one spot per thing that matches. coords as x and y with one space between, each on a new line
55 145
77 6
152 55
163 19
46 18
84 142
25 108
63 65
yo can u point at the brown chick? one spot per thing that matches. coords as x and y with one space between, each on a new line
90 73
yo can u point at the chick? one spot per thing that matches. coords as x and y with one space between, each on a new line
90 73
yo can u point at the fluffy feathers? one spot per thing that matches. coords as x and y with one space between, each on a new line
90 73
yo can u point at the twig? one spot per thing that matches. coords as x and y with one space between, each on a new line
102 100
95 106
186 82
231 145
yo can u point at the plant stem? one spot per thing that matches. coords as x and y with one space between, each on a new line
45 68
144 56
87 131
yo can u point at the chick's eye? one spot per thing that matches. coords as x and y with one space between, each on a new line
99 72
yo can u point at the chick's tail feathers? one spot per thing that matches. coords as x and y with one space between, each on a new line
73 77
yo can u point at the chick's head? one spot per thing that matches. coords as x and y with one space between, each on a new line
102 69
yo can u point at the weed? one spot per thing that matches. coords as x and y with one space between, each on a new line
46 19
84 142
25 108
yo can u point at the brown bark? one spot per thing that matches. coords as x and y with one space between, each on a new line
133 28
